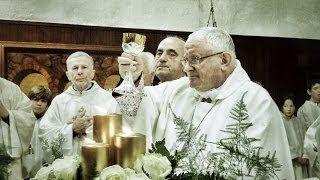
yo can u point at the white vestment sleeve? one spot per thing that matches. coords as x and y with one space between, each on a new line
67 133
307 114
52 124
292 135
17 136
311 146
268 127
303 119
149 111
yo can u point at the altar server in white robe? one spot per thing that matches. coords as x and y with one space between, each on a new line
312 148
295 137
71 113
17 122
40 97
213 73
310 110
308 113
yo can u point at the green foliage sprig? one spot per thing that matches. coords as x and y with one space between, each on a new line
53 148
5 160
238 157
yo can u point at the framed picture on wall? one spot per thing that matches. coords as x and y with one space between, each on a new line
29 64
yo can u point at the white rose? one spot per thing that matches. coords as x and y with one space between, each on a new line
129 171
66 168
62 169
139 176
155 165
43 173
133 176
114 172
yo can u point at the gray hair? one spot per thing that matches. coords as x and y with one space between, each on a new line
218 39
79 54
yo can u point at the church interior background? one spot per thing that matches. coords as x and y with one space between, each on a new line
277 42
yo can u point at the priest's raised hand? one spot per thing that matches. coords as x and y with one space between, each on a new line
143 64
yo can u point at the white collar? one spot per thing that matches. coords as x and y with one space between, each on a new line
91 88
212 94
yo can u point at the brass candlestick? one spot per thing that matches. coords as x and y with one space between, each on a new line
128 147
94 158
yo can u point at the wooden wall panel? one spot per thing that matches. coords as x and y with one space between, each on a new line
282 65
76 34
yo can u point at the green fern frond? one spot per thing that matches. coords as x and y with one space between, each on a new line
5 160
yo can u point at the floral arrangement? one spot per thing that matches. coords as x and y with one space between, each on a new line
60 169
150 166
154 165
5 160
238 158
53 150
116 172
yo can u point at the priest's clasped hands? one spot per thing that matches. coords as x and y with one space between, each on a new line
81 122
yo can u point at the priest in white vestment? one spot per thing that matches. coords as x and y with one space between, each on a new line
310 110
307 115
215 74
165 66
17 122
71 113
169 56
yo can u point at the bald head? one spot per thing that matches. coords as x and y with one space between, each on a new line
174 43
168 59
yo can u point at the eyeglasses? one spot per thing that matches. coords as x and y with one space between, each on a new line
198 60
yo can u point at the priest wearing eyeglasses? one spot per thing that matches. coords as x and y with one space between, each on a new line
215 82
